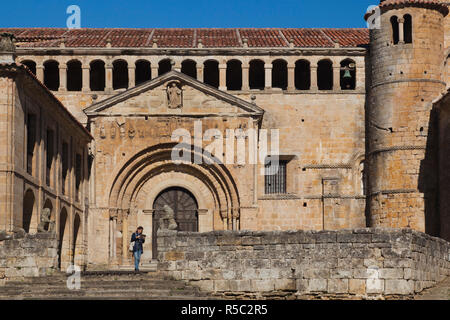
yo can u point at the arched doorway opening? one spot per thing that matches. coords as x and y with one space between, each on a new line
29 222
184 206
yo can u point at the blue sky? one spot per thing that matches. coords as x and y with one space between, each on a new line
188 13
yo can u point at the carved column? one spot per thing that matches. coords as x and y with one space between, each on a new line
222 76
109 77
336 76
245 71
200 73
268 75
291 76
131 76
62 77
40 72
154 71
86 78
360 77
177 66
314 77
401 33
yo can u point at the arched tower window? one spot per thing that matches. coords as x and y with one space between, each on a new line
302 75
51 75
395 30
279 74
234 75
325 75
189 68
120 74
143 71
74 76
257 74
407 28
97 75
211 73
164 66
348 75
31 65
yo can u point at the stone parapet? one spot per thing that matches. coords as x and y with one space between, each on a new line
362 263
28 255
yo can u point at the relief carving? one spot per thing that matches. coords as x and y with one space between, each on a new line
174 95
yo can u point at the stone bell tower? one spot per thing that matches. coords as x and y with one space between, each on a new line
406 56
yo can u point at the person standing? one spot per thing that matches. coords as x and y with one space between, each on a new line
138 238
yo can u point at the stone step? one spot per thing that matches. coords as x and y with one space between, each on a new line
111 284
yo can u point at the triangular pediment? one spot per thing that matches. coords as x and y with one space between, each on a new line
188 96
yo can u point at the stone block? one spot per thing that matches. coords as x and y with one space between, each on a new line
240 285
302 285
401 287
391 273
338 286
357 286
204 285
285 284
222 285
262 285
375 286
317 285
174 255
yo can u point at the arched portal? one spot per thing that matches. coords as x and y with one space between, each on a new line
141 179
184 206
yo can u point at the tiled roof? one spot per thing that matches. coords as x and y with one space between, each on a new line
188 38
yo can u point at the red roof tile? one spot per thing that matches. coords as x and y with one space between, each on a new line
307 38
263 37
218 37
188 38
348 37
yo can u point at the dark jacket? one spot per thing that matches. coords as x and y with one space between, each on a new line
137 242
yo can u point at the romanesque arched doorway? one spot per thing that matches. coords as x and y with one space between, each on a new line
183 204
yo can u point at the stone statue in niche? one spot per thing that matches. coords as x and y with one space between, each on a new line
168 216
174 95
46 224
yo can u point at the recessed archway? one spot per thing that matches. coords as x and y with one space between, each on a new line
185 209
29 219
143 176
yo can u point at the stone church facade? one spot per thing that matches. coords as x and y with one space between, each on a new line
362 117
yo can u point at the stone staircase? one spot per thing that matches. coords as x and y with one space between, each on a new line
103 285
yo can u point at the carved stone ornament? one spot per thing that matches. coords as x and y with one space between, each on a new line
46 221
167 220
174 95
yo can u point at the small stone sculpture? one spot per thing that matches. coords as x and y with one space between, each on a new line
174 96
168 216
45 219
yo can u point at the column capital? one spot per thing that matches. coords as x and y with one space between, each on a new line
267 66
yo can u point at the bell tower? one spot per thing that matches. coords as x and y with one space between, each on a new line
406 56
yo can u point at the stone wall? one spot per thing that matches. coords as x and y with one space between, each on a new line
360 263
28 255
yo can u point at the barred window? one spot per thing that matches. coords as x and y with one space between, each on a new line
275 177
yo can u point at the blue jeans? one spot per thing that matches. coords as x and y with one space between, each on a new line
137 259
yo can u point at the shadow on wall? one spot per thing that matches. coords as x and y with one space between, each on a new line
429 177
